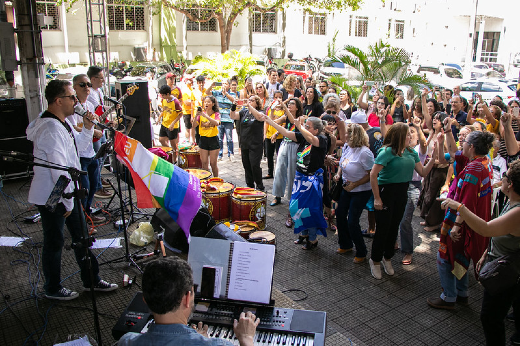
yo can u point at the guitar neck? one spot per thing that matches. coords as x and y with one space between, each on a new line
104 116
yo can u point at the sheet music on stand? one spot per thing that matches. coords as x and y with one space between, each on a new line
243 271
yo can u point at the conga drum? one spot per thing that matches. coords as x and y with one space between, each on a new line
216 197
169 151
189 158
202 174
263 237
248 204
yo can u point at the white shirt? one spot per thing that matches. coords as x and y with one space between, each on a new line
354 163
54 144
499 168
76 119
95 98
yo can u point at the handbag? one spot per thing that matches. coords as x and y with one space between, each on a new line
335 192
501 273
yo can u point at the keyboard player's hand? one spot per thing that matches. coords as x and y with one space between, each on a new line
245 328
201 328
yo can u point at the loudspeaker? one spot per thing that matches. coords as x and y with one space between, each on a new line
13 123
137 106
174 236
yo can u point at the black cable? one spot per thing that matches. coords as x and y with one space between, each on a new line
75 307
6 298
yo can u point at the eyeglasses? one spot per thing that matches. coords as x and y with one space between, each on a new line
259 87
331 112
83 84
72 97
505 176
307 126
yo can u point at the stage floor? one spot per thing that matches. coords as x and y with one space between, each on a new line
360 309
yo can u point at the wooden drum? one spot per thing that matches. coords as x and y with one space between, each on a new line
248 204
202 174
189 158
216 197
263 237
168 151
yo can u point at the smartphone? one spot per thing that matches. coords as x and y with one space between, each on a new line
218 83
515 111
275 103
474 97
240 102
199 109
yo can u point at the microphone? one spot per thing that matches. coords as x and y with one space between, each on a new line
112 100
79 110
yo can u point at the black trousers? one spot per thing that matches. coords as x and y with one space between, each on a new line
251 159
394 197
493 313
270 149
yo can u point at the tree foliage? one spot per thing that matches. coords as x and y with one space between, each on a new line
382 63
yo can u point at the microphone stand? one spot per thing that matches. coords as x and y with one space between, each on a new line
86 240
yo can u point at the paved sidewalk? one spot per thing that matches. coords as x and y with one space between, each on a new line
361 310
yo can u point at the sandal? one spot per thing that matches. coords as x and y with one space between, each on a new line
276 201
301 239
407 259
289 222
367 233
310 245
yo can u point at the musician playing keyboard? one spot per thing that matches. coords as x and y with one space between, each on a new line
168 291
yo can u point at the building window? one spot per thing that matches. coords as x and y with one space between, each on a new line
264 22
399 29
50 9
127 16
210 25
389 28
316 23
361 26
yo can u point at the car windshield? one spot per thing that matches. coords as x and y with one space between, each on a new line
490 87
453 73
295 67
336 64
433 70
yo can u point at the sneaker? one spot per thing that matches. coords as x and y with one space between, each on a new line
103 193
515 339
463 300
96 219
63 294
359 260
105 183
439 303
231 158
340 250
102 286
375 270
387 265
219 158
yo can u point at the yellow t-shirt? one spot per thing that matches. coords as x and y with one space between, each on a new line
198 96
187 94
208 131
271 130
169 113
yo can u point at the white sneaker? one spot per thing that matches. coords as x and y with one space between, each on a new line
231 158
387 265
375 270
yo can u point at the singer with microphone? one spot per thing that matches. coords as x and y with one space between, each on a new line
56 141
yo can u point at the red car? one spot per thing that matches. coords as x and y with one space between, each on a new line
299 68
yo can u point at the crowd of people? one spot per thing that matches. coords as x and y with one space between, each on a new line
330 158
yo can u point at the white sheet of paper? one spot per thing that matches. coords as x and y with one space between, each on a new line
11 241
251 272
83 341
114 243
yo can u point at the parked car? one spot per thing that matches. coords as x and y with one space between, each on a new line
299 68
443 75
334 68
159 70
497 67
479 70
488 90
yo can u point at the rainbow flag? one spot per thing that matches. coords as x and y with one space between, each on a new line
160 184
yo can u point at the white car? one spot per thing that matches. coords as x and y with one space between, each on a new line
488 90
336 68
443 75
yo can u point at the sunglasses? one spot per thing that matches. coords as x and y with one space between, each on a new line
72 97
331 112
83 84
292 103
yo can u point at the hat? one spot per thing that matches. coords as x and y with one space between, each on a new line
359 117
170 75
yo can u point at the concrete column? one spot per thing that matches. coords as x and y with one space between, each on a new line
64 29
469 42
480 39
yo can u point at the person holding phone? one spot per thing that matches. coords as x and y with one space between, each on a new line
272 138
389 179
225 98
208 120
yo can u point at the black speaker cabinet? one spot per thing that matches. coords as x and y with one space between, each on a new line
13 123
137 106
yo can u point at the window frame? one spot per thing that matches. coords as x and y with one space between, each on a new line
201 27
265 28
116 9
57 17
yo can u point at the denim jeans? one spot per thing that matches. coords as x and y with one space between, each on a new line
406 230
451 286
225 129
349 209
90 181
285 169
311 232
53 240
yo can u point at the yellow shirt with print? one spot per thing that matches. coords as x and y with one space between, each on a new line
187 95
169 113
211 131
271 130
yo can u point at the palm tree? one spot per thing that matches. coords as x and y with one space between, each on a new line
383 64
